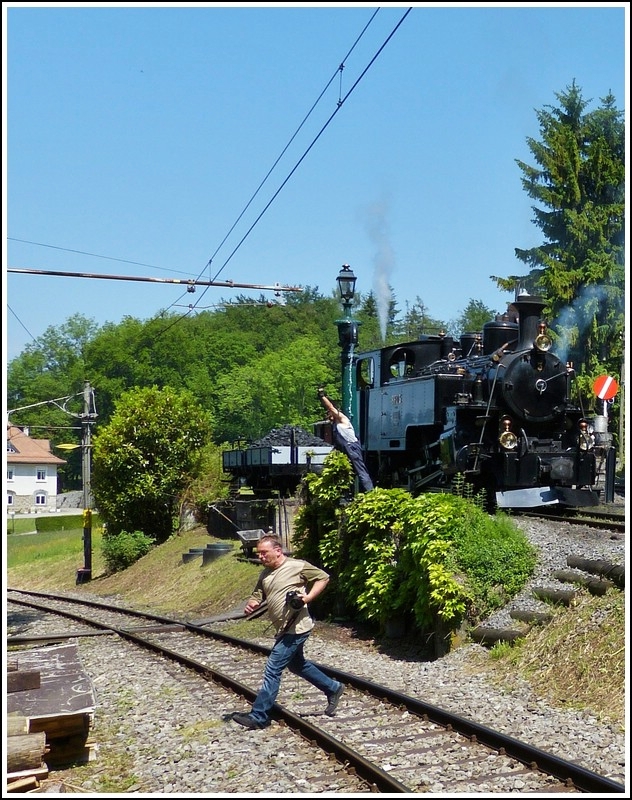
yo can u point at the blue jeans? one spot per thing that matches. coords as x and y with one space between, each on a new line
287 652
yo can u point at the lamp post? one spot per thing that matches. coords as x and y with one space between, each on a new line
347 338
12 512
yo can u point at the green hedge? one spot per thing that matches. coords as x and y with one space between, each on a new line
64 522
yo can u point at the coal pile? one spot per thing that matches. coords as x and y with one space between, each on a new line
282 437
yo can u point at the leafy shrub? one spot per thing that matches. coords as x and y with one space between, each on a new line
121 550
436 558
317 520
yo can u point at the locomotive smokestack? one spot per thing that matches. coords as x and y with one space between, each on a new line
529 308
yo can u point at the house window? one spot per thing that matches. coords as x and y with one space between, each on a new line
9 473
41 473
10 497
40 499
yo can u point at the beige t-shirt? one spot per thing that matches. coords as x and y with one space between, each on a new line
274 584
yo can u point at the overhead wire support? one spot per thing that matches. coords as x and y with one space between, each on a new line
280 156
226 284
315 139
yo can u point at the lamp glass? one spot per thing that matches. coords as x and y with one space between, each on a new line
346 282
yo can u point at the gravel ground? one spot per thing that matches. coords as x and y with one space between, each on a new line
195 752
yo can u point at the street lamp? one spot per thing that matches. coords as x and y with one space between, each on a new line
12 512
347 338
346 286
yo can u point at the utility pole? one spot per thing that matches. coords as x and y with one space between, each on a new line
87 420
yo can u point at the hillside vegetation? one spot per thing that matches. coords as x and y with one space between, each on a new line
576 661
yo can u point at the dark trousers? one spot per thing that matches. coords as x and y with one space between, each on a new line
354 451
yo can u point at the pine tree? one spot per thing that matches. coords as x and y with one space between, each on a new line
579 184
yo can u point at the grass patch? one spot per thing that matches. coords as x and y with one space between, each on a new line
160 581
575 661
49 561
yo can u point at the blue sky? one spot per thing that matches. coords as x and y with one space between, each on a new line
136 136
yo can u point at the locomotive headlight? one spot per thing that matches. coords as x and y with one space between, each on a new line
507 439
586 440
542 341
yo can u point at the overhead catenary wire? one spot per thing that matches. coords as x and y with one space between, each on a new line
230 284
294 135
339 105
227 284
320 132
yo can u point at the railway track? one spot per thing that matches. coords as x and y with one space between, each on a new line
385 740
604 519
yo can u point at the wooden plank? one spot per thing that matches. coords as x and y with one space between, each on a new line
23 784
55 637
65 688
23 679
24 773
613 572
62 725
558 596
594 585
157 627
17 725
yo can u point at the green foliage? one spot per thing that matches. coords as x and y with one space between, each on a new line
316 522
145 457
472 318
50 369
278 389
496 558
208 485
123 549
433 558
461 487
63 522
579 184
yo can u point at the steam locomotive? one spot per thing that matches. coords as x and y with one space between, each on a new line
491 408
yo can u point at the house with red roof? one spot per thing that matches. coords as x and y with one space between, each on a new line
31 473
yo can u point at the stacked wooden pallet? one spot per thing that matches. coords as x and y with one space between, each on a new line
50 711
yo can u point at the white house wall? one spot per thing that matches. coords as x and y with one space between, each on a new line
25 487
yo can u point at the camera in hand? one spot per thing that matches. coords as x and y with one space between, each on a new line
294 599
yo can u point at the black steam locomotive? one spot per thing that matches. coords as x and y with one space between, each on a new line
493 407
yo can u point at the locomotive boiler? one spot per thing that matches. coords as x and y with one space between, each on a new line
493 407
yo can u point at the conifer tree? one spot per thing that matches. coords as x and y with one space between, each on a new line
578 183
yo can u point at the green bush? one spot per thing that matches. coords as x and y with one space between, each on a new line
435 558
123 549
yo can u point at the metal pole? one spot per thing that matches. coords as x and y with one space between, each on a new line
622 410
346 365
86 422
